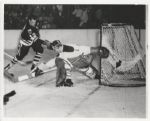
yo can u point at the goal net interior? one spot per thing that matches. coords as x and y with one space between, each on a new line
126 64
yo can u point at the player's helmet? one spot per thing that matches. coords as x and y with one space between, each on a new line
33 21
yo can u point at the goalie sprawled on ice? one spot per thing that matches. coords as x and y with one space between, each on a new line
71 57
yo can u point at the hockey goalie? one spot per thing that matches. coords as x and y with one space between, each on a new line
69 57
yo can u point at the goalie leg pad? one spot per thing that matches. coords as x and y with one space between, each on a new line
83 64
90 72
63 76
81 61
61 72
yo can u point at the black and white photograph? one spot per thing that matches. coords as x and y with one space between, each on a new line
75 60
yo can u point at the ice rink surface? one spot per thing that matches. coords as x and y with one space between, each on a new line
38 97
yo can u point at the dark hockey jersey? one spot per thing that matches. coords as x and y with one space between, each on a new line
29 34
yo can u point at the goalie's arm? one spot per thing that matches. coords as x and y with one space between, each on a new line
46 43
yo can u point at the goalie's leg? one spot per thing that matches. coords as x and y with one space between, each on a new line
63 76
83 65
61 72
90 72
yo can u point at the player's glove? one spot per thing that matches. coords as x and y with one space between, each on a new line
104 52
33 37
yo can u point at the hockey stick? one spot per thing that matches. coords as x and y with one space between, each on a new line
20 62
32 75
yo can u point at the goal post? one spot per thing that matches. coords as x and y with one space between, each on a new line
100 60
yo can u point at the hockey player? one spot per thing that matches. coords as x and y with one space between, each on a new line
69 57
30 38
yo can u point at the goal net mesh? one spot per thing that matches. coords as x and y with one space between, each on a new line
126 62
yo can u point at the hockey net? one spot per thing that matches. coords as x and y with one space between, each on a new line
126 64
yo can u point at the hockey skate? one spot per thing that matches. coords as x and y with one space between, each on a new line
60 84
68 83
38 72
